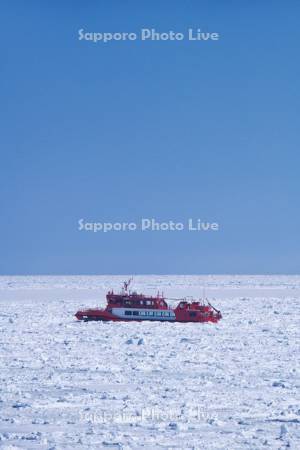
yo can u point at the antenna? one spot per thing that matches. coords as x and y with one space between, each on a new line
127 283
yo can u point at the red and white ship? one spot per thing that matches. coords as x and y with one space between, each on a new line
130 306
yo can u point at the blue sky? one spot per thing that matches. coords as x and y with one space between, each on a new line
170 130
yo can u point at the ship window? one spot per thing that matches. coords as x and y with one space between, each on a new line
135 313
193 314
148 302
127 313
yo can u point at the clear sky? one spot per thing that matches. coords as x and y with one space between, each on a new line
170 130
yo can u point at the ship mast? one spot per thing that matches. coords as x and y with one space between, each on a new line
126 285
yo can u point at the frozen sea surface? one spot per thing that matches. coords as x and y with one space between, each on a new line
72 385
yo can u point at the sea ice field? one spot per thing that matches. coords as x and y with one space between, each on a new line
66 384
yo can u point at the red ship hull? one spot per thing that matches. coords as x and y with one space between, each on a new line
175 316
128 307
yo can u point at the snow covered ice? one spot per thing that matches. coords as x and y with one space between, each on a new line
67 384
